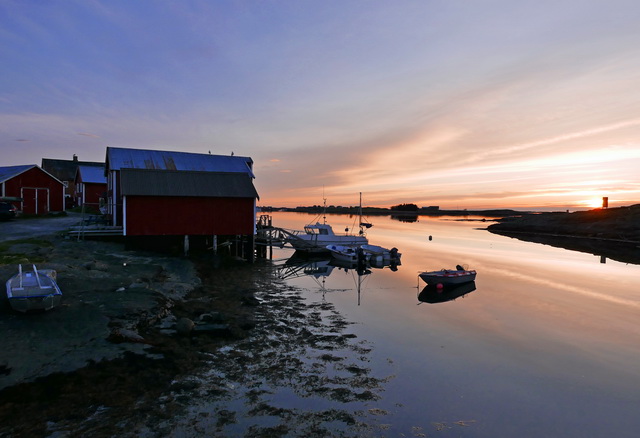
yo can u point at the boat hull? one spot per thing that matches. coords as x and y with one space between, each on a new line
319 243
447 277
345 253
27 304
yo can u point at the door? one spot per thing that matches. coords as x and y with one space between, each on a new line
35 200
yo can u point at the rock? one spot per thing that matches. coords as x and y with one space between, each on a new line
184 326
212 317
213 329
139 285
250 301
124 335
246 324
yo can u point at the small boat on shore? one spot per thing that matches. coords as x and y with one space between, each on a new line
33 290
449 276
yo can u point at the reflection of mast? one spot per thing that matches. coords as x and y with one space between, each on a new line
362 272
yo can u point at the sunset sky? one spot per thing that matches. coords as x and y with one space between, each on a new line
462 104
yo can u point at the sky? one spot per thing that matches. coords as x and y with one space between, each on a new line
470 104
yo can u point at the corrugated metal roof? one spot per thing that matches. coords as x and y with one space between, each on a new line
92 174
143 182
121 158
9 172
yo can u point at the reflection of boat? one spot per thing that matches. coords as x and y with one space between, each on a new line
360 271
434 294
299 267
35 290
449 276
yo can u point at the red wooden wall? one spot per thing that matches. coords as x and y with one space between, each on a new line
41 192
161 215
93 192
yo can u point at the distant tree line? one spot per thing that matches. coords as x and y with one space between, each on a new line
405 207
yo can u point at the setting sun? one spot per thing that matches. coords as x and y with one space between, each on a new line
592 203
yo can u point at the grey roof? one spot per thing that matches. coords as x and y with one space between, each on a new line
121 158
92 174
65 170
9 172
143 182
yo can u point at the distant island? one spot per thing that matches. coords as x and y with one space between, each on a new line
405 210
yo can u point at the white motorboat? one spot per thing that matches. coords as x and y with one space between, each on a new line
350 254
380 255
316 237
33 290
449 276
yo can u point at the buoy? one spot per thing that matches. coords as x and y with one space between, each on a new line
439 286
430 238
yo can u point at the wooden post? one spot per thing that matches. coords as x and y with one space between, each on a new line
186 245
215 244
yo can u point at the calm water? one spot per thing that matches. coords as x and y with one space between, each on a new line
547 345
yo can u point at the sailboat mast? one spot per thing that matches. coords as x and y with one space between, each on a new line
360 215
324 208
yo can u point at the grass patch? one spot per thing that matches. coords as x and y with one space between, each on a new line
4 246
11 258
15 259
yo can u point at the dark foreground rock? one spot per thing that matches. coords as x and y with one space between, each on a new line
612 233
151 345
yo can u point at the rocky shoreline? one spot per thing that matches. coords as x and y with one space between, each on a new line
152 345
612 233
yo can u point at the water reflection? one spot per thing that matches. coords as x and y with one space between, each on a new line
433 294
319 268
405 217
546 324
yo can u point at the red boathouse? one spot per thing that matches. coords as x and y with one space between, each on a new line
166 193
33 190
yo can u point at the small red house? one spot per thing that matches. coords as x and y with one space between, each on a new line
39 191
90 185
65 171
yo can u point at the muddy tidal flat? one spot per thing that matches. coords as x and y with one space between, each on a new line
151 345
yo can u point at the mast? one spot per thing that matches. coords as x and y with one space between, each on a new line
360 215
324 208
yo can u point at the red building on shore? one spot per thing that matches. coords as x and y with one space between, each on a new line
166 193
31 189
90 185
